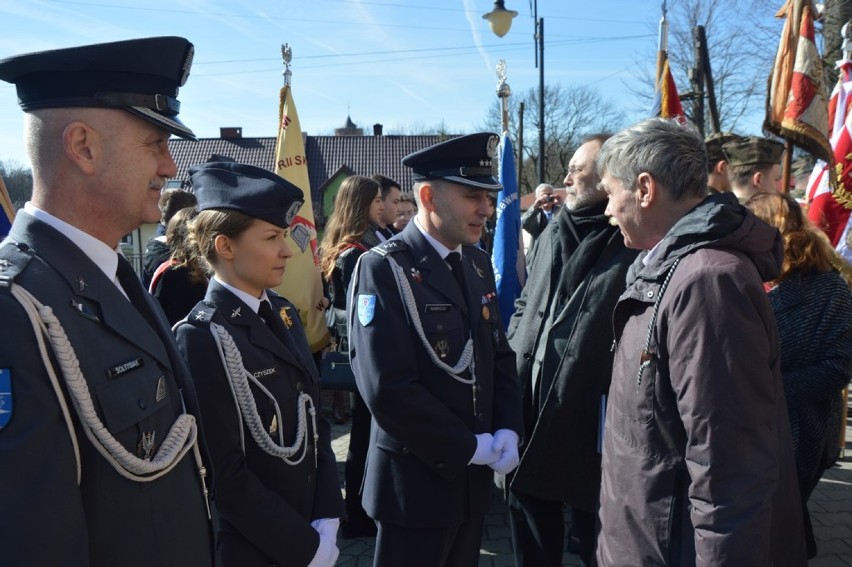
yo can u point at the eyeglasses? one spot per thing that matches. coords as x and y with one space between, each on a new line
572 170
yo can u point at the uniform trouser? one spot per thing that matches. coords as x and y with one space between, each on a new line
454 546
356 459
538 531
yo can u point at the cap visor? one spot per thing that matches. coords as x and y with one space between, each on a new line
173 125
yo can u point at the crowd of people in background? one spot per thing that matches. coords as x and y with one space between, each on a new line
672 374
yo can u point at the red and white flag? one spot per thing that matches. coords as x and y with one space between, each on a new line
796 106
829 207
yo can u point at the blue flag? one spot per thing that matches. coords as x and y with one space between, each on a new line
504 256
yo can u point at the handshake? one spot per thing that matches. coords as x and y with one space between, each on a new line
498 451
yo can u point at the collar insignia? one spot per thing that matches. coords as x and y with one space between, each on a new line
236 312
162 392
84 310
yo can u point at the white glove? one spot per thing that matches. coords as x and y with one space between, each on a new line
327 552
506 445
485 453
327 527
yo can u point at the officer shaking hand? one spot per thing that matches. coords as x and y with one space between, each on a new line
433 365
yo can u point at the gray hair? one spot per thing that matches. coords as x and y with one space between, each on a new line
673 153
541 187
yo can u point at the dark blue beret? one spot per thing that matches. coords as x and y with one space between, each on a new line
141 76
465 160
250 190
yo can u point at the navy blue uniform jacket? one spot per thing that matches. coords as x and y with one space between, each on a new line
264 505
45 518
424 420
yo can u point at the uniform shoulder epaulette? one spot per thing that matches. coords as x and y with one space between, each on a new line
201 314
389 247
14 258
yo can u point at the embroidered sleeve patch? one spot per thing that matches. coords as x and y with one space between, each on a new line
5 397
366 308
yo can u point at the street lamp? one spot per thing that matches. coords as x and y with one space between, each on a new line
500 20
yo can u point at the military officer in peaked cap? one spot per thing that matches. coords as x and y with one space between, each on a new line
445 399
275 477
99 440
754 166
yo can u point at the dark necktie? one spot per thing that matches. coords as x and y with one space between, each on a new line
273 321
132 286
454 260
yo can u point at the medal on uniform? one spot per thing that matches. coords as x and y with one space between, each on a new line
486 313
442 348
416 275
285 316
145 446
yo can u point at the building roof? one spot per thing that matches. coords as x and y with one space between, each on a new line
364 155
326 155
259 152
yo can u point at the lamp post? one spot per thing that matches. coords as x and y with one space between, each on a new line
500 20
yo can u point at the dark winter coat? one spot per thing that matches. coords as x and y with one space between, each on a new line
561 459
698 461
814 314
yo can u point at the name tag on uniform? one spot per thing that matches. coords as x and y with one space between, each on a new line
124 368
264 372
437 307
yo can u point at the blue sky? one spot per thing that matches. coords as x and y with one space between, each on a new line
394 62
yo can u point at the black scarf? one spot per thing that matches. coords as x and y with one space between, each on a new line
584 234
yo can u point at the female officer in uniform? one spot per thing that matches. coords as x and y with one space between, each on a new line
275 481
350 232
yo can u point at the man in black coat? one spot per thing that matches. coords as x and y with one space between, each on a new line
100 460
433 365
562 335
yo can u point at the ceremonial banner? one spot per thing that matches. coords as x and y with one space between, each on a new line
509 268
7 215
667 100
796 105
302 283
828 207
